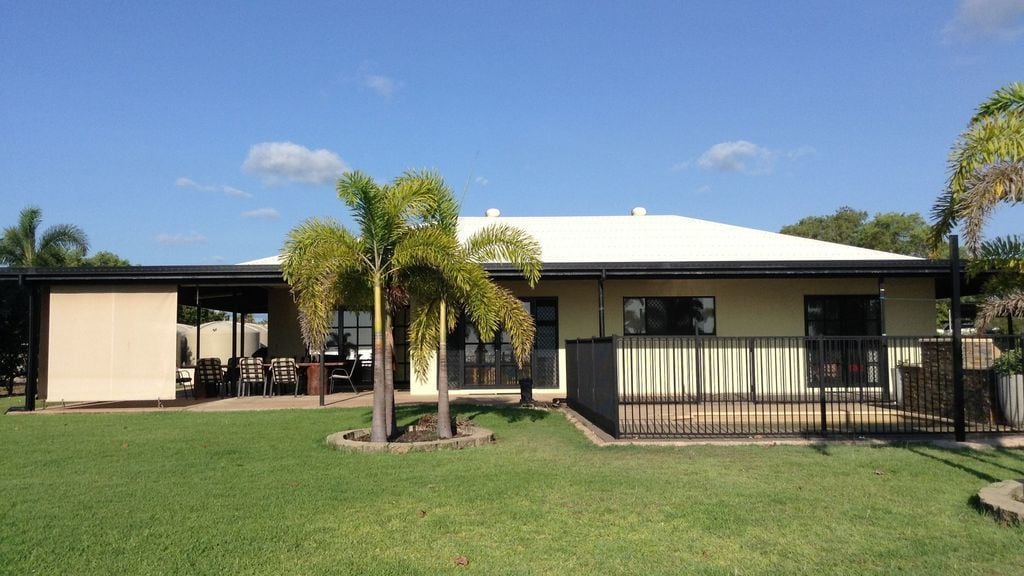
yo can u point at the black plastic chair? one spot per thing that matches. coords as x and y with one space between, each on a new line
182 377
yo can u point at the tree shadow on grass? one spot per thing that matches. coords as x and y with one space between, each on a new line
990 459
409 413
951 463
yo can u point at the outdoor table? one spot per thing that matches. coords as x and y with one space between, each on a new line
313 374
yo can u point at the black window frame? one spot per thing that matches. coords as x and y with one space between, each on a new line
697 331
844 323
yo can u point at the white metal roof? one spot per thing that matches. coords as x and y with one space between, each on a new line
623 239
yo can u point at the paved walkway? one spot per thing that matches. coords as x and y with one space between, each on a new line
285 402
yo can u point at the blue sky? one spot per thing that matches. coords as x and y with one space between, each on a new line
200 133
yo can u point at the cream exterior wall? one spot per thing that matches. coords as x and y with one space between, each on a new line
743 307
109 343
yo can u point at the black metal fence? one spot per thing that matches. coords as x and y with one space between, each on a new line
690 386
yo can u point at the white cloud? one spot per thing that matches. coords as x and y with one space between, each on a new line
381 84
180 239
262 214
481 181
276 161
226 190
737 156
743 157
986 19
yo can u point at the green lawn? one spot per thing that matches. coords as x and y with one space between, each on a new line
248 493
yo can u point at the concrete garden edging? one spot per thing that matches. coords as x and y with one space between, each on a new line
475 436
1005 500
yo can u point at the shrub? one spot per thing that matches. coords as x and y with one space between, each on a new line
1011 362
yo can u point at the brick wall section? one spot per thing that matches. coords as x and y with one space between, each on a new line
928 387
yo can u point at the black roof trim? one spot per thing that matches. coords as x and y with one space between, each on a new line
734 269
189 275
248 274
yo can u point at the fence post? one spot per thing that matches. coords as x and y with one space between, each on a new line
615 389
32 367
751 378
821 386
959 419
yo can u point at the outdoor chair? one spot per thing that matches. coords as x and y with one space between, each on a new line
231 377
182 377
284 373
250 373
209 376
343 374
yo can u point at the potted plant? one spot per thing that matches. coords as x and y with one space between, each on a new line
1009 369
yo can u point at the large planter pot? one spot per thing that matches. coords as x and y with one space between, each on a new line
1011 398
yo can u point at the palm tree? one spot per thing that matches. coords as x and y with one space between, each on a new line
22 245
464 287
986 167
326 266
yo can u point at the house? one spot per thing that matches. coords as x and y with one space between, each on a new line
110 333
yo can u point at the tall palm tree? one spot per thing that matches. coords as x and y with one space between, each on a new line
23 244
326 265
986 167
463 287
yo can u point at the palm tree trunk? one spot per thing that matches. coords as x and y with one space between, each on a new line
378 430
389 376
444 411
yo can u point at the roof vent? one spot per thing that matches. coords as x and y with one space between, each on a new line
638 211
492 213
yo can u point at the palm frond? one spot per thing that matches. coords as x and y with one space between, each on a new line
63 242
423 336
1006 99
1002 182
518 323
987 141
317 257
501 243
1010 304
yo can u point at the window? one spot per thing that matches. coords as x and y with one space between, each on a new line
477 363
844 351
676 316
842 315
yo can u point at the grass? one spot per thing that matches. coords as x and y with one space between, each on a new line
259 493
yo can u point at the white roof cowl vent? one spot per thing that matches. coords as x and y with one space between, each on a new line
492 213
638 211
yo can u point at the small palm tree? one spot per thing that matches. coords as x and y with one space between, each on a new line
463 287
326 266
23 245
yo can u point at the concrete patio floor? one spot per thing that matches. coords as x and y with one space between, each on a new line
362 399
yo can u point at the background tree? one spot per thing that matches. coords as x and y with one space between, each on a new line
13 333
24 245
986 170
896 232
101 259
187 315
